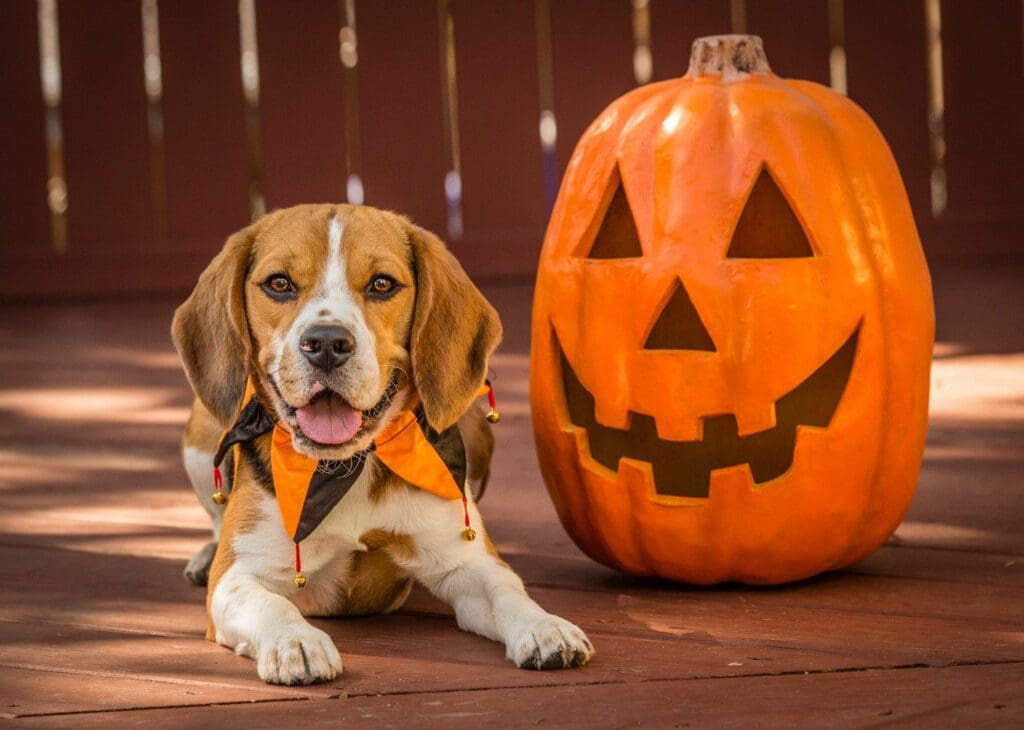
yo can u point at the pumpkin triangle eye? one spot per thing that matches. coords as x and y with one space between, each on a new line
678 326
768 228
617 238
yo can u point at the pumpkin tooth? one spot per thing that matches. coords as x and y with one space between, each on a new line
753 418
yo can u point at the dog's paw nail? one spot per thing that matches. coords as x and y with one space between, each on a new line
550 643
299 655
555 660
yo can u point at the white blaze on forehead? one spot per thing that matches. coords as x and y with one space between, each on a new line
334 274
334 302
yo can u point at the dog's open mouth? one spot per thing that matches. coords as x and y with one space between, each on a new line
328 419
683 468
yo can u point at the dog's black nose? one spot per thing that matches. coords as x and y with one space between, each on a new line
327 345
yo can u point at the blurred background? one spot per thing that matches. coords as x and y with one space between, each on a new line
137 134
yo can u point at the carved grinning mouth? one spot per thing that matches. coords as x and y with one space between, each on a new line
683 468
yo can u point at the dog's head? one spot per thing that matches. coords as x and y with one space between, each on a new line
339 314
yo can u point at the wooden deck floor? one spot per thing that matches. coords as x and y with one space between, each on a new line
99 629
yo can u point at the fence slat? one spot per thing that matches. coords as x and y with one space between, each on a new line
302 105
592 47
984 82
885 54
204 122
795 34
106 146
24 217
503 197
400 109
674 27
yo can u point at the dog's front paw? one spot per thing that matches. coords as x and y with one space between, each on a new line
550 642
299 654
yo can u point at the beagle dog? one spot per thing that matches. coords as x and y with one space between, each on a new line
339 320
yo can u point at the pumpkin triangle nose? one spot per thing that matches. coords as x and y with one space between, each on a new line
768 228
679 326
617 237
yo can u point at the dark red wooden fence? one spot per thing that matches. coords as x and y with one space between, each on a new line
117 244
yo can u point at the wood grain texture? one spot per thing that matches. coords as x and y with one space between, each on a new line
985 696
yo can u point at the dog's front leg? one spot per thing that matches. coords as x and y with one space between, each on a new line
266 626
490 599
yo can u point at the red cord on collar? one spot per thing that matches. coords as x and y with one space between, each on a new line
218 487
300 579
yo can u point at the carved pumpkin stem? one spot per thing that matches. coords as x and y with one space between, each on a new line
733 57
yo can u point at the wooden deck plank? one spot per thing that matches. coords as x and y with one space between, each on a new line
101 580
903 581
425 634
383 655
34 690
131 657
986 696
646 632
169 523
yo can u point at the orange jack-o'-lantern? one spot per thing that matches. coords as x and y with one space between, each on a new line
732 330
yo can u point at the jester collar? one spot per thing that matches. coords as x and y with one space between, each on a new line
307 489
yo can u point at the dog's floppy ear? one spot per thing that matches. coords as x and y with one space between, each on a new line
454 331
210 330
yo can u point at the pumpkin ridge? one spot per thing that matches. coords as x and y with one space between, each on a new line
847 113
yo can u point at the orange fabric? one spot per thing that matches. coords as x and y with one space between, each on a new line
250 391
404 449
292 472
401 446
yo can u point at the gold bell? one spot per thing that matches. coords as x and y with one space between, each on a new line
469 534
219 498
493 416
299 580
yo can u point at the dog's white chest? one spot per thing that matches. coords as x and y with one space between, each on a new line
268 548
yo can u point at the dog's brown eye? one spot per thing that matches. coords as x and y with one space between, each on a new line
279 286
382 285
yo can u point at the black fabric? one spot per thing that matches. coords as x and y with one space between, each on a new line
252 422
329 484
448 445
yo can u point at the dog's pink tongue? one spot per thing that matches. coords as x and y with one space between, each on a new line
329 421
